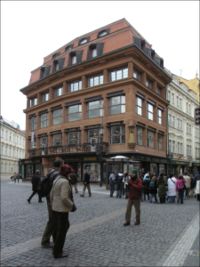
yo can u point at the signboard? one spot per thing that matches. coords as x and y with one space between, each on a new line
197 116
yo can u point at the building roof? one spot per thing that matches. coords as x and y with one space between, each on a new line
118 35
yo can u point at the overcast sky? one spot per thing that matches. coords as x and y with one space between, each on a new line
30 30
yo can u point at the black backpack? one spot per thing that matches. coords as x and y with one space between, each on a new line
47 182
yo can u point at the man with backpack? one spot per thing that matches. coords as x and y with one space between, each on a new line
51 176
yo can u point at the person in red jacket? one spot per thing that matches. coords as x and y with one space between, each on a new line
134 199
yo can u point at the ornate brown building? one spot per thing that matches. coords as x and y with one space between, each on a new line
101 95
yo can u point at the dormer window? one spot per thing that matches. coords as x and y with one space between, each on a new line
68 47
44 71
58 64
95 50
83 41
73 58
103 33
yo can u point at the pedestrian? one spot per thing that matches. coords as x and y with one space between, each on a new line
180 185
61 198
197 186
153 189
119 185
74 181
146 181
171 185
18 177
53 173
134 199
187 180
126 179
35 180
162 188
112 181
86 184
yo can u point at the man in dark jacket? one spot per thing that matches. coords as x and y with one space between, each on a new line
134 199
86 184
35 186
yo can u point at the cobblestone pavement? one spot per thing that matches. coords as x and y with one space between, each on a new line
168 234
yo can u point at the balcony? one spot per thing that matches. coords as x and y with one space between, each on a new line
98 148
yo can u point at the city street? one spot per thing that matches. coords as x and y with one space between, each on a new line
168 234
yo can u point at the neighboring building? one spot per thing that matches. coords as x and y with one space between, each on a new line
103 94
184 135
12 147
193 84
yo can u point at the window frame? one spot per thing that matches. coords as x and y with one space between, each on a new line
121 104
117 131
76 112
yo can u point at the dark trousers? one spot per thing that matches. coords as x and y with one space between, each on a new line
60 228
48 232
39 197
112 189
88 188
180 196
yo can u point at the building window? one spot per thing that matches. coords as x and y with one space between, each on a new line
119 74
139 133
33 123
75 112
58 91
57 139
44 120
83 41
150 111
160 142
94 52
139 106
73 59
189 150
117 134
150 139
149 83
45 97
57 116
95 109
117 105
94 135
197 153
188 129
43 141
33 102
95 80
58 64
137 74
102 33
180 148
158 90
44 72
75 86
74 138
159 116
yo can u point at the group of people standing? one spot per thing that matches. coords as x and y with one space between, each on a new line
155 189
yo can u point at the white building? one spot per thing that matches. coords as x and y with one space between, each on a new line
184 135
12 145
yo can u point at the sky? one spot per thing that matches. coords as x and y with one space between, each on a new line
31 30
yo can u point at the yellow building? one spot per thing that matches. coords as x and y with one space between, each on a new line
193 85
